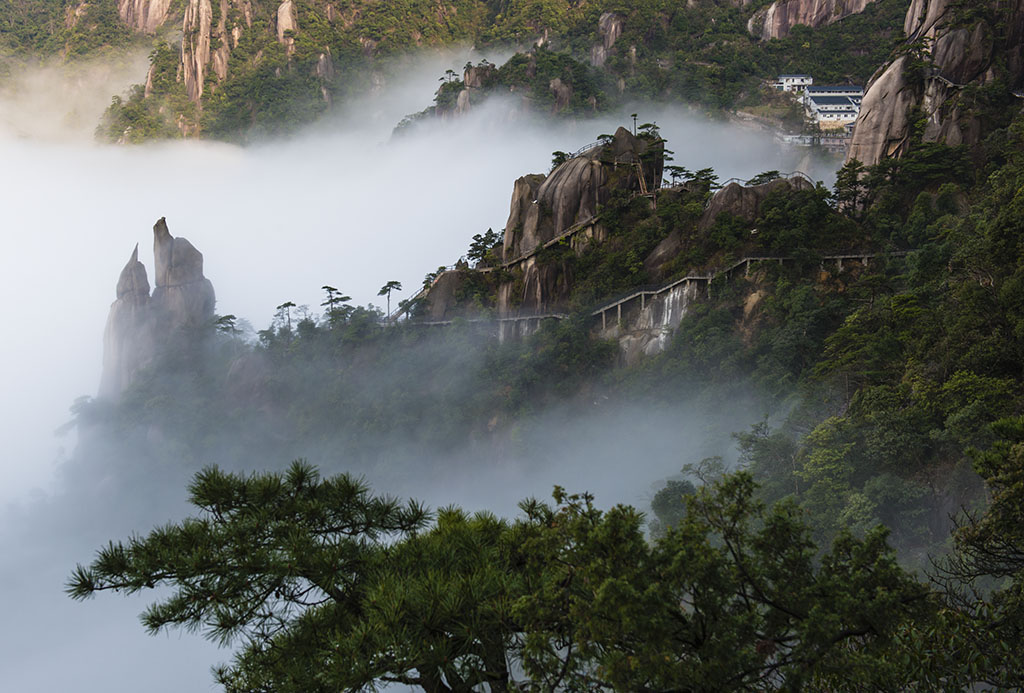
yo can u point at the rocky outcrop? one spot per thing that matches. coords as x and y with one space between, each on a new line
127 339
562 93
140 326
195 46
779 18
955 55
144 15
646 328
922 18
479 76
475 79
442 298
884 122
183 297
744 202
545 206
609 27
211 29
287 25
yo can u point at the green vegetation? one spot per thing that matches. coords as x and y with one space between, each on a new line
701 54
331 588
894 396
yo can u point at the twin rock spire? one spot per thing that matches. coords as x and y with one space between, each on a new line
140 326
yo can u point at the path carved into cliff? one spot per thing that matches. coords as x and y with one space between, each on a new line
648 292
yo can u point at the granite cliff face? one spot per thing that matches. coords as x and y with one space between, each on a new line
140 325
779 18
127 339
609 28
951 53
144 15
544 206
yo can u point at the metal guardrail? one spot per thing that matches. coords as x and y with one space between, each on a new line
583 150
782 176
655 289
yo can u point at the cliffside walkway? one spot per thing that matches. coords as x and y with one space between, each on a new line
783 176
568 232
645 293
648 292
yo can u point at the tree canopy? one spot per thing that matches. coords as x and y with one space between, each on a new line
328 587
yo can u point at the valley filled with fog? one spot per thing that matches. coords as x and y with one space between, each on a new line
345 203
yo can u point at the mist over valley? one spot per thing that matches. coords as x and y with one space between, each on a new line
343 203
488 346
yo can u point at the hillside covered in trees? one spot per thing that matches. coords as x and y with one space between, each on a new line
896 394
254 68
866 533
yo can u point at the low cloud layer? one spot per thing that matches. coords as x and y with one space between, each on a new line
343 204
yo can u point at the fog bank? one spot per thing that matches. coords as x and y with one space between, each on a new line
342 204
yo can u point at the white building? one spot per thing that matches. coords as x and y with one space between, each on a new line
849 90
833 107
793 83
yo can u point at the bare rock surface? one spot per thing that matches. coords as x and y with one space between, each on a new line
779 18
287 25
609 27
958 56
545 206
195 46
127 338
744 202
144 15
140 325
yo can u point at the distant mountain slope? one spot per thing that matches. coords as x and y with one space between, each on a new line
250 67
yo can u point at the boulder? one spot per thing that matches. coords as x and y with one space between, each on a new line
744 202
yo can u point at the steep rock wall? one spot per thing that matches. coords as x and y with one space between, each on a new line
127 338
957 52
647 328
779 18
183 296
195 46
144 15
140 325
609 28
544 206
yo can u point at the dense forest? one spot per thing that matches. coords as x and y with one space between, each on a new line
253 80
